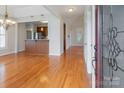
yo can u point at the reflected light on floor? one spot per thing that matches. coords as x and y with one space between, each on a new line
44 79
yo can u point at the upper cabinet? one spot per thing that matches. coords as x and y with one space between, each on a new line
43 30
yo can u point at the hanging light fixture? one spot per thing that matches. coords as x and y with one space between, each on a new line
5 21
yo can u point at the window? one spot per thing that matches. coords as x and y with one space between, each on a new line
2 38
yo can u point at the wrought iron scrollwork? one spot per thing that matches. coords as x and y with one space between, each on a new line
113 48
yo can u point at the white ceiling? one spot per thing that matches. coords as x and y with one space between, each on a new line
62 10
19 11
23 11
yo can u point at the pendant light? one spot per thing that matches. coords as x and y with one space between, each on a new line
5 21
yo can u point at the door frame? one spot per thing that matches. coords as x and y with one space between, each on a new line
99 64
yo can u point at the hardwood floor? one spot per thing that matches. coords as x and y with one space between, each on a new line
43 71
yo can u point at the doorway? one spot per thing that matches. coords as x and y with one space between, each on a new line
64 29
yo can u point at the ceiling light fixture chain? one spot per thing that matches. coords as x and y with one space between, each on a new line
5 21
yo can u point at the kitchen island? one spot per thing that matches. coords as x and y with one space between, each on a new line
37 46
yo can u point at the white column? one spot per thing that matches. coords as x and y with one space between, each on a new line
93 44
54 36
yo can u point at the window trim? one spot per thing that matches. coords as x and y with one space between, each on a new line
6 42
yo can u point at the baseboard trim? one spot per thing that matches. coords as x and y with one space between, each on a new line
55 54
77 45
8 53
21 50
12 52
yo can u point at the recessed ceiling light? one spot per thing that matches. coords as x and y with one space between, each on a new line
70 9
31 16
44 21
42 15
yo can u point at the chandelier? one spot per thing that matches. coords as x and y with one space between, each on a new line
5 21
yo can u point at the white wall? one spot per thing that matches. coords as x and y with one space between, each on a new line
87 38
77 40
55 35
21 36
15 39
68 35
10 41
77 32
61 36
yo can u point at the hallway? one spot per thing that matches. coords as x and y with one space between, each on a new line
43 71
